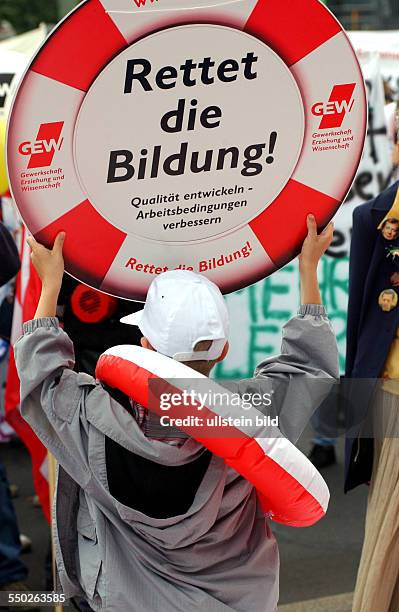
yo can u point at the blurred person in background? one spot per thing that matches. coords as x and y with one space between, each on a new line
372 364
392 119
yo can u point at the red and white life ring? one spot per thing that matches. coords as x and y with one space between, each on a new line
307 107
70 111
290 488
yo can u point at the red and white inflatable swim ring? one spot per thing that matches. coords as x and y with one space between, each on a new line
290 488
305 110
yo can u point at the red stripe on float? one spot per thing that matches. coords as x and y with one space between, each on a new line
293 29
91 243
281 228
280 493
80 47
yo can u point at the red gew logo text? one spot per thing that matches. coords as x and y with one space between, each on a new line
335 110
140 3
42 150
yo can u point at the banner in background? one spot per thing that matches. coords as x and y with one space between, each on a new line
385 44
376 165
12 66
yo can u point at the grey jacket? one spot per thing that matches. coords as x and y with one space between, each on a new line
221 555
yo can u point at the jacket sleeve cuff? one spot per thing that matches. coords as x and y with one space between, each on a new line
46 322
315 310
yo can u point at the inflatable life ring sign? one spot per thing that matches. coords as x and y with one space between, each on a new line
290 489
186 134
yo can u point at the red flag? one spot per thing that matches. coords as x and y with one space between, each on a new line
27 296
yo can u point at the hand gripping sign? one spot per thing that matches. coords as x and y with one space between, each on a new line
290 489
193 135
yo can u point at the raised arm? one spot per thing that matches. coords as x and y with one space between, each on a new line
313 249
308 341
51 391
50 268
307 366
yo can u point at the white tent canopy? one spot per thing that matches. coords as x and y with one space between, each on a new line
26 43
15 55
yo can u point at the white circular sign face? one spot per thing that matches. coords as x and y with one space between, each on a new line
164 139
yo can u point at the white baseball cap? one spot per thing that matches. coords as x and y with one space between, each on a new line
182 309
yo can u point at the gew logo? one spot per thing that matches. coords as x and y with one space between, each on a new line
5 87
140 3
340 103
42 150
